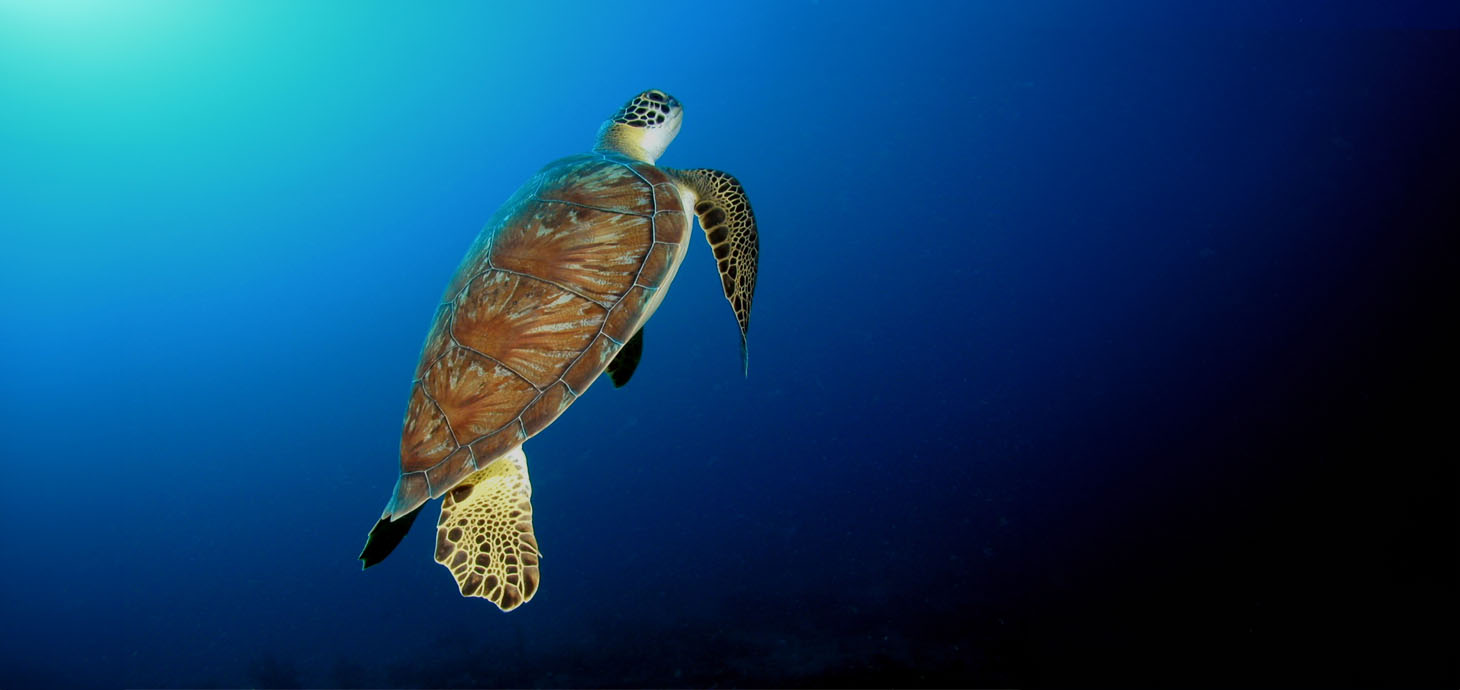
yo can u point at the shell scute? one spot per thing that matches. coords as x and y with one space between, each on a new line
438 340
535 329
594 360
656 265
493 446
426 438
624 319
477 395
599 183
450 471
559 278
546 408
410 491
591 252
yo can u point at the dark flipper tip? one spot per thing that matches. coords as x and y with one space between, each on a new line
384 537
622 368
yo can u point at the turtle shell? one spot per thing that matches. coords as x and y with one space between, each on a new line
560 278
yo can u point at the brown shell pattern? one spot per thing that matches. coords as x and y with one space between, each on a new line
554 286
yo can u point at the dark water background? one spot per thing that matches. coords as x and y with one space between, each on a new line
1091 345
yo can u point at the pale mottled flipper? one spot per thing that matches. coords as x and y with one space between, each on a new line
729 224
485 535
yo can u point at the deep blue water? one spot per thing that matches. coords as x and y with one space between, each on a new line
1091 345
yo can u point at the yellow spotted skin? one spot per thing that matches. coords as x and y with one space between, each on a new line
484 536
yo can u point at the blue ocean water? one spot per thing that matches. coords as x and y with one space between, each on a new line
1092 345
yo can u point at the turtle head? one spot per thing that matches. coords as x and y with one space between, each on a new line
643 128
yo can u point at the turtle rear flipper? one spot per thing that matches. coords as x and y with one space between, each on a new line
385 536
485 534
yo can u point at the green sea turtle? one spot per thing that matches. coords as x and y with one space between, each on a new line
554 292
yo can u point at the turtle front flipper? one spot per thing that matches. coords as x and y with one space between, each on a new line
729 224
485 535
621 369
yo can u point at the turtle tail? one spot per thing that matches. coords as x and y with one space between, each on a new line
385 536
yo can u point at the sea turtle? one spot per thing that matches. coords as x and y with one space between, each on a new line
553 292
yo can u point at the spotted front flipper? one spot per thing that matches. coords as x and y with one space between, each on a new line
725 216
485 535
